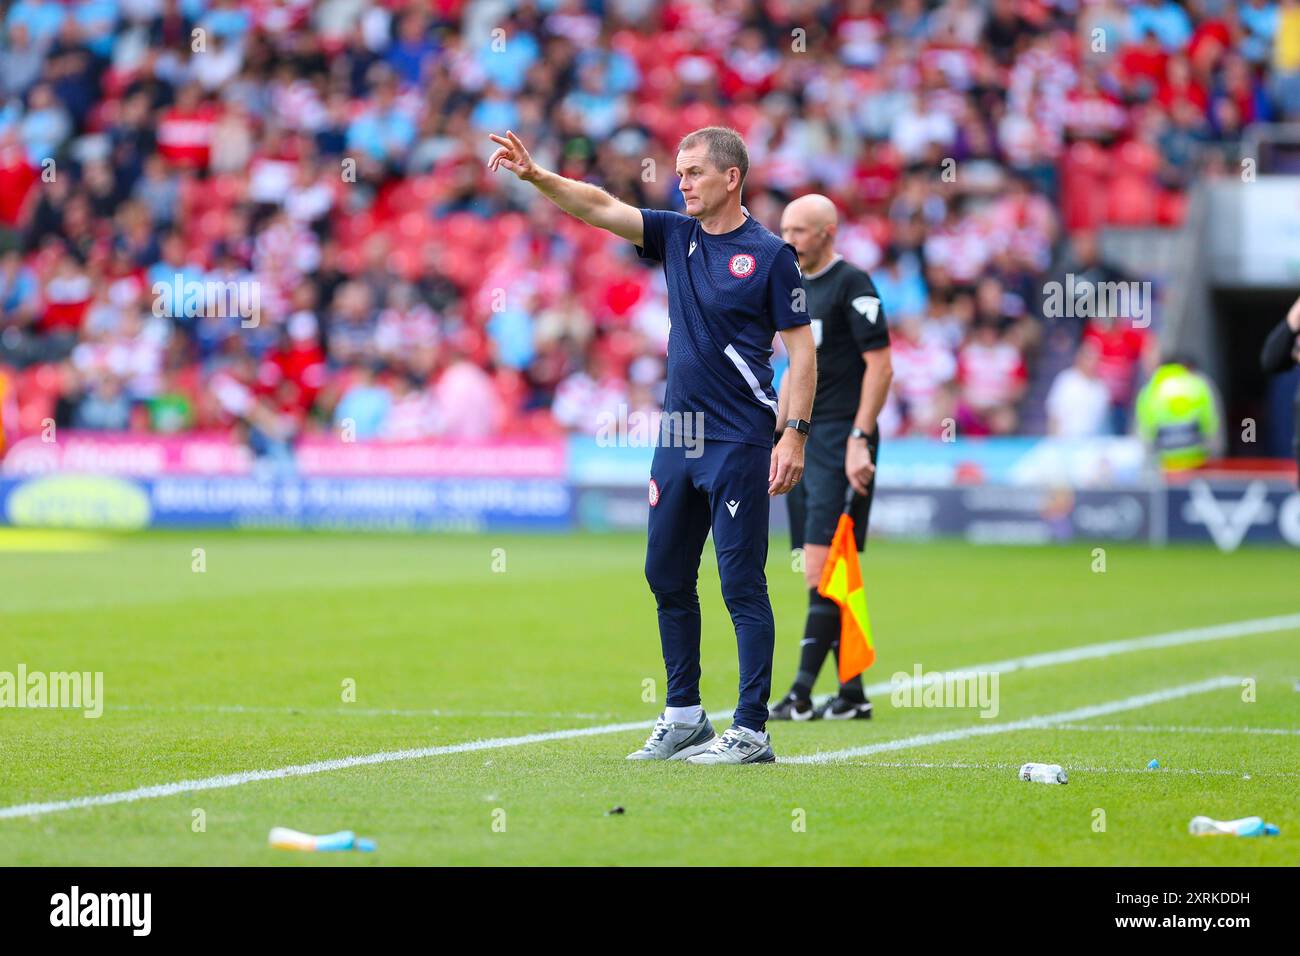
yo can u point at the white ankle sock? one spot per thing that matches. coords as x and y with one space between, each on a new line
684 715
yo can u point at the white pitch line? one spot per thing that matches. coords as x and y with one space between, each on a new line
1044 721
1188 771
347 711
1084 652
1151 729
1069 655
303 770
343 763
1214 632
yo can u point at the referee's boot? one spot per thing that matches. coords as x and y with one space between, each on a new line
675 740
840 707
793 708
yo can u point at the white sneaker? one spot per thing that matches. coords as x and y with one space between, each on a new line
674 740
737 745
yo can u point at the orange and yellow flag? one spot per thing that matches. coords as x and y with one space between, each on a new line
842 583
8 413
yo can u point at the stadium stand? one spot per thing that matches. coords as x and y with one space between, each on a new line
330 157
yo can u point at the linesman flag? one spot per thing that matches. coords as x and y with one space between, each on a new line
842 583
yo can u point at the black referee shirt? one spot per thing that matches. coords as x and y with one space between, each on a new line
847 320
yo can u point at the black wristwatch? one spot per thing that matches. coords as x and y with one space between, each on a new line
799 425
859 433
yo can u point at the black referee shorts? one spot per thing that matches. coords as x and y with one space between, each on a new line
816 502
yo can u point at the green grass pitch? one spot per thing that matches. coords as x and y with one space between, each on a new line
243 667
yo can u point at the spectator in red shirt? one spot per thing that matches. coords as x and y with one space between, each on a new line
185 130
1180 86
66 294
17 177
1091 113
297 358
1121 348
992 375
1144 65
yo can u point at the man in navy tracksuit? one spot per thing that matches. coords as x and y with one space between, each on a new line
732 286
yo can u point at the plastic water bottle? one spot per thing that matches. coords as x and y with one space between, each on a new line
1044 773
1245 827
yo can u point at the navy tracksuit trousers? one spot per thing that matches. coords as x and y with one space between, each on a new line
725 489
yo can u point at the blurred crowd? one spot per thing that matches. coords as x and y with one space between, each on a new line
328 158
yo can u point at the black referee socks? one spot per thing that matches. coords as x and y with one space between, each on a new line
821 630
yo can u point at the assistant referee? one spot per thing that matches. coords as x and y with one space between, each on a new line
853 376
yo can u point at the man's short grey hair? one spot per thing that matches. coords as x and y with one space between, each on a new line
726 148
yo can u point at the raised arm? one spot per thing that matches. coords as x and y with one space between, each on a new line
589 203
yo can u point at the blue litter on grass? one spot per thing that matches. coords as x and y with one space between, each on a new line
1245 827
283 838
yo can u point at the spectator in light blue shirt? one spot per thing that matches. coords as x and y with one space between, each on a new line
227 21
97 20
384 131
11 114
511 331
1259 20
45 126
163 285
364 407
495 111
1166 19
18 287
601 113
901 286
21 62
619 72
42 18
506 59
